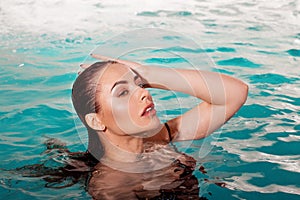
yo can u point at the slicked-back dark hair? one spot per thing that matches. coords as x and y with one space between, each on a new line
84 92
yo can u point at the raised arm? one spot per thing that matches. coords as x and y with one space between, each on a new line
222 97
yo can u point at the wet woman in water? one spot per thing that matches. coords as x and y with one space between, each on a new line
137 159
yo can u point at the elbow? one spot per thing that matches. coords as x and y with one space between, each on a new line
240 95
244 93
237 100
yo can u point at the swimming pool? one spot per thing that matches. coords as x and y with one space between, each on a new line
256 154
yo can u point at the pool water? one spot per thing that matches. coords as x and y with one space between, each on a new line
256 155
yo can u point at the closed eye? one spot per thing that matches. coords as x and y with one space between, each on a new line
142 85
140 82
123 93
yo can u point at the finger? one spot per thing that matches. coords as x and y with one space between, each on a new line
104 58
84 66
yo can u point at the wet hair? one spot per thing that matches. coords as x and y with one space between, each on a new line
84 92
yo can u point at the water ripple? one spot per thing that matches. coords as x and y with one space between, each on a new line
165 60
271 78
241 62
294 52
42 43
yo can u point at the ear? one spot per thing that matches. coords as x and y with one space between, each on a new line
94 122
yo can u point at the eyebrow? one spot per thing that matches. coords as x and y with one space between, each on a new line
123 82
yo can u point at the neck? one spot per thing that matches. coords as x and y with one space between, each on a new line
121 147
125 142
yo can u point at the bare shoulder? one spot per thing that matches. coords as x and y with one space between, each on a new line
173 126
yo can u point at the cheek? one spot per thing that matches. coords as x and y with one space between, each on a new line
118 112
125 109
120 109
126 112
135 111
108 109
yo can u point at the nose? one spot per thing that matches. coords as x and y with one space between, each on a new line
144 94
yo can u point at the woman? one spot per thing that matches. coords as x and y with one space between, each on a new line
125 134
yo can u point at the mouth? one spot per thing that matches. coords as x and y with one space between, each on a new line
149 110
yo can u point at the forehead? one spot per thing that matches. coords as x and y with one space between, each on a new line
113 73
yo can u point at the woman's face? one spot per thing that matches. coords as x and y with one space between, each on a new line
126 106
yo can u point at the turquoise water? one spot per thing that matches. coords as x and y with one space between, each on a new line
256 154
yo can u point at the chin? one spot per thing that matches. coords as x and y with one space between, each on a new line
152 128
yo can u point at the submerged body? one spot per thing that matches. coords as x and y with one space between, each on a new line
172 179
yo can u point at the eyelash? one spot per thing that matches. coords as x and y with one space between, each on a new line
125 91
142 85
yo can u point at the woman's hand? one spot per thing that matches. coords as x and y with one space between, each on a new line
133 65
130 64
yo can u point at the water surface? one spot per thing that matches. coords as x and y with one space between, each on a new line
256 153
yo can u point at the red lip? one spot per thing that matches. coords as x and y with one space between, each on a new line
151 105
